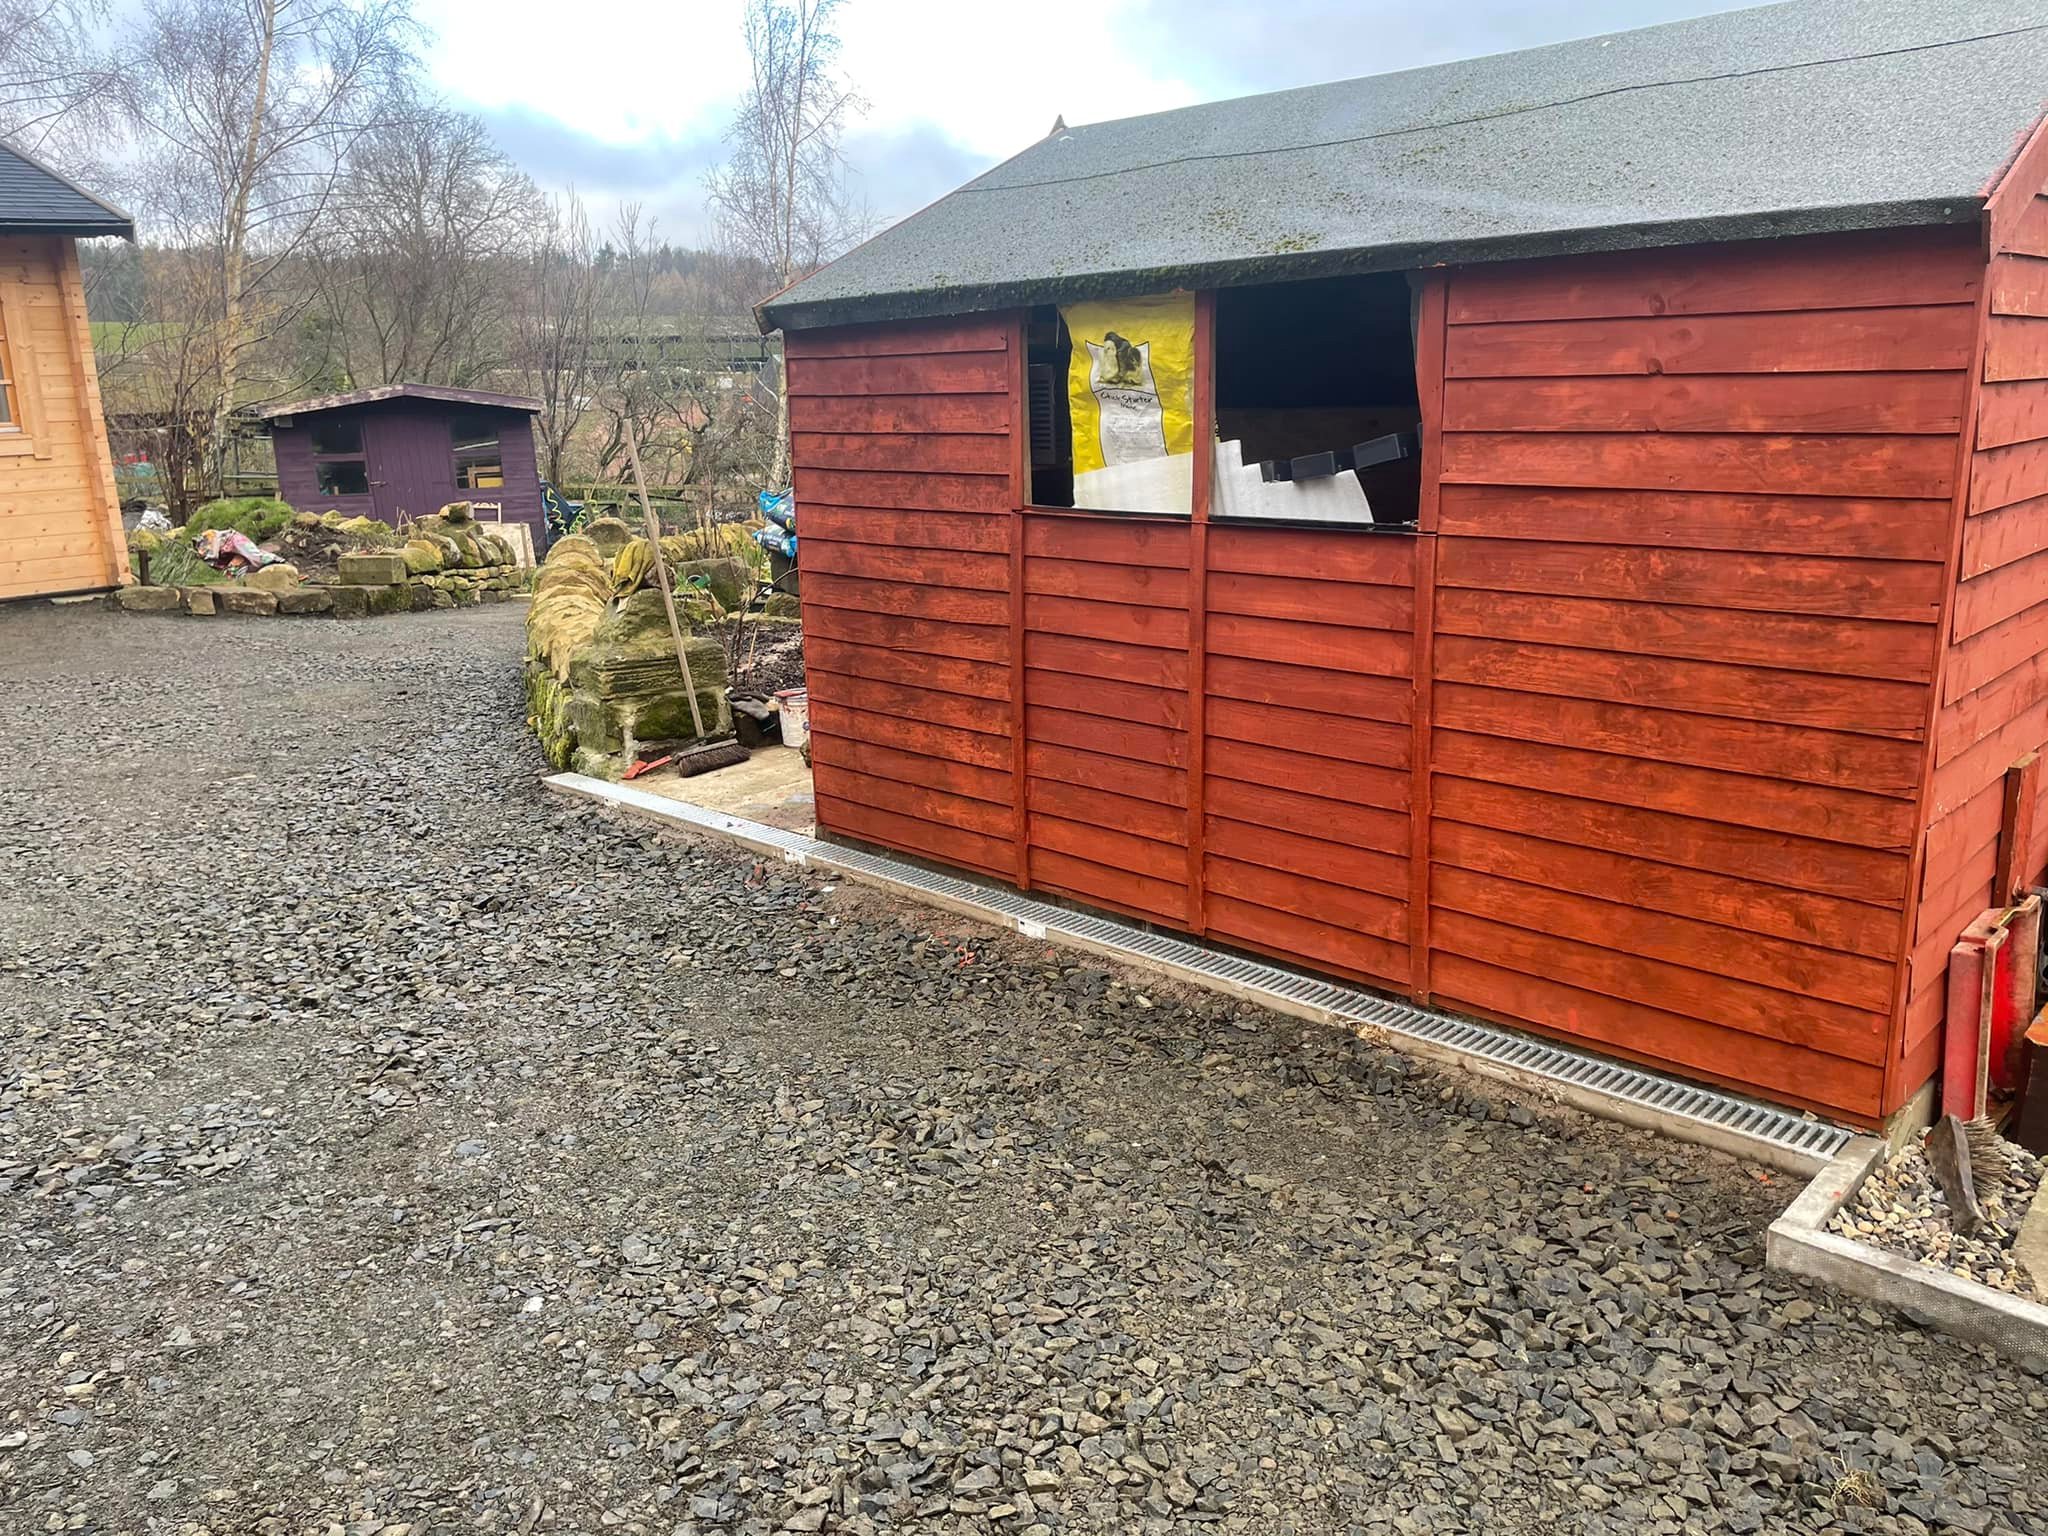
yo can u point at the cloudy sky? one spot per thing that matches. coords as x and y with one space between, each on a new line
626 100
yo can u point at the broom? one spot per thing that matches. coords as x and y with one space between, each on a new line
707 755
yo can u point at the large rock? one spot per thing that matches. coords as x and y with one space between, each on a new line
306 600
245 601
199 600
422 556
148 599
372 570
281 577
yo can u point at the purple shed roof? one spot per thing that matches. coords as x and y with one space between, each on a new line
402 392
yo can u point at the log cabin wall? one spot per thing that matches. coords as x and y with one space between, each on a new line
1675 608
1994 675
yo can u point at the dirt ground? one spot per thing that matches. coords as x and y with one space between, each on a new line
387 1146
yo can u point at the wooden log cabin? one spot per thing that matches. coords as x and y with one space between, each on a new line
60 521
1663 703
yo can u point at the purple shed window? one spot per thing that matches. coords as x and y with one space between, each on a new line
339 467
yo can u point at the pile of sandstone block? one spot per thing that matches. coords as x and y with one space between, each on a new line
445 561
603 683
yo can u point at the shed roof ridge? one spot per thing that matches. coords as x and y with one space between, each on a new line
1434 125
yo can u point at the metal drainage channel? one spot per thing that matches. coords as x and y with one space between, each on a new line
1806 1139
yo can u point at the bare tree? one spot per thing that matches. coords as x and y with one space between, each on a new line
55 90
559 327
244 114
782 193
414 278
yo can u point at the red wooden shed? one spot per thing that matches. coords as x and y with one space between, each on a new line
1664 703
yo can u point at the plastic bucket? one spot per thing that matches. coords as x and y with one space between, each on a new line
795 706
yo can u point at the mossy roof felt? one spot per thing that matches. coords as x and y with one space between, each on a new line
1813 116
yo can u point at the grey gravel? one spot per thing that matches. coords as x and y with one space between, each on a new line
1901 1208
393 1148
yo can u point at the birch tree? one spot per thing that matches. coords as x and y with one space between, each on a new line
782 195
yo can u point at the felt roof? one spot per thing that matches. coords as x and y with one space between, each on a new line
35 200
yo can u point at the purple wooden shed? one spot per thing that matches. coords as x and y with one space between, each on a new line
407 450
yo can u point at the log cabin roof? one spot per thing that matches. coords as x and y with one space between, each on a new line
1818 115
35 200
482 399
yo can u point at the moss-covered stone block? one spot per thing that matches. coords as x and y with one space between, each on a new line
281 577
364 569
306 600
609 534
396 598
422 557
350 602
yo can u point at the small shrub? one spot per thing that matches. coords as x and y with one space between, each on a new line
258 517
174 563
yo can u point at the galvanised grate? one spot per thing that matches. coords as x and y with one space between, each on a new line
1764 1123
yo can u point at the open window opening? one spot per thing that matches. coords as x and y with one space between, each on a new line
1317 416
1111 386
343 477
1047 352
339 468
479 461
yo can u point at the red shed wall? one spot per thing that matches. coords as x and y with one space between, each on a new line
1626 745
1994 679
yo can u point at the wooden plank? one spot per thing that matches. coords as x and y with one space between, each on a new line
988 716
1379 558
921 801
1353 783
1109 847
970 531
1637 978
933 637
969 373
894 491
1983 658
1875 764
1801 917
1112 738
1077 654
927 567
2022 794
1103 808
1997 595
1296 894
1892 268
1108 699
1786 1073
1020 497
1983 714
913 669
1808 810
1196 868
1999 538
878 761
1307 815
1982 765
1310 732
1865 705
1705 461
1791 403
2002 476
85 407
1335 693
1101 583
1118 889
2012 413
1905 591
900 338
951 605
1771 858
1372 652
1325 945
1120 623
916 414
2015 347
2019 286
903 453
1913 338
830 719
922 839
1107 540
1304 600
1853 981
1094 770
1363 869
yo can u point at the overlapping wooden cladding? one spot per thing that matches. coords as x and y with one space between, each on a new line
1684 588
1994 675
1690 563
902 442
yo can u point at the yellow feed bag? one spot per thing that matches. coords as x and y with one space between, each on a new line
1131 381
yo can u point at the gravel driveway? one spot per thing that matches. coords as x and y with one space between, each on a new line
387 1146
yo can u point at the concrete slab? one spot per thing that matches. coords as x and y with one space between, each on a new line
1799 1243
773 786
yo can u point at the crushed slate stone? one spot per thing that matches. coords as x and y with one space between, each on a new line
394 1148
1901 1208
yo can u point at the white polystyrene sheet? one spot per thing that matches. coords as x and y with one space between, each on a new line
1241 491
1148 485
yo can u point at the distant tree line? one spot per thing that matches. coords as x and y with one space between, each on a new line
313 218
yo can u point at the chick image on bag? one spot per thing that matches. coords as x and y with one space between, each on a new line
1130 392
